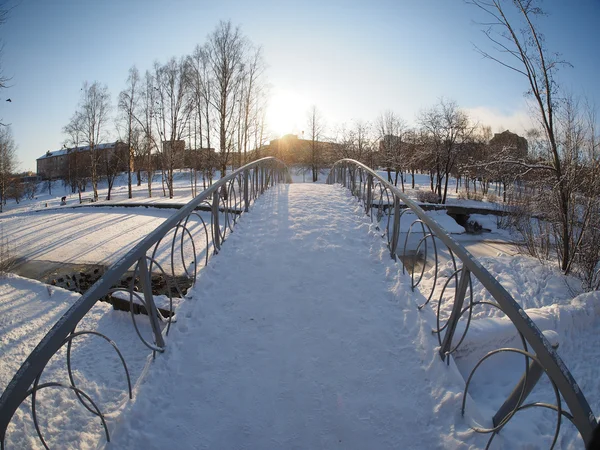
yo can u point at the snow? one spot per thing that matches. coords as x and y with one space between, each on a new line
83 235
546 295
28 309
443 219
44 201
302 333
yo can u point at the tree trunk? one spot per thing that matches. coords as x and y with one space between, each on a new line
445 189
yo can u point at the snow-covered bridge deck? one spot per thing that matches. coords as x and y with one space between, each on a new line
302 333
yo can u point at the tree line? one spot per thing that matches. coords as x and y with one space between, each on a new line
212 99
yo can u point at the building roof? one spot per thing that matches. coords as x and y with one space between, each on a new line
65 151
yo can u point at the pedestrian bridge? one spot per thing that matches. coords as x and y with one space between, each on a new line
304 330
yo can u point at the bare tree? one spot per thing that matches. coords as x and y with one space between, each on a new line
391 131
113 162
94 111
173 112
77 167
144 116
448 130
3 78
316 128
8 162
199 83
201 86
127 106
225 50
251 96
520 46
356 142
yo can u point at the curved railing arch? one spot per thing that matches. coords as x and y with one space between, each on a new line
380 198
225 201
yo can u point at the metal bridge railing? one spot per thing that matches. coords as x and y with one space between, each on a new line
386 204
225 200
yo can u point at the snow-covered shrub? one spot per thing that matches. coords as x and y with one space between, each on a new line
492 197
470 195
428 197
477 196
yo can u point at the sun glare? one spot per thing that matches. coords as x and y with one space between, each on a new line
286 113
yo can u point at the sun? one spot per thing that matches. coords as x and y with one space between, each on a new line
286 113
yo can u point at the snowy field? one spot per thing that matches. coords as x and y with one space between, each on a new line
89 235
51 235
183 192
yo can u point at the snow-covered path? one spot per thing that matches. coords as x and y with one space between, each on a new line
301 333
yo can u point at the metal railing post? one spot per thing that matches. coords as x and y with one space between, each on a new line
459 299
523 388
246 200
215 221
149 300
255 181
396 229
369 192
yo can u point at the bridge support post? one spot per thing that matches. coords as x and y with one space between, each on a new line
149 300
459 299
215 221
246 200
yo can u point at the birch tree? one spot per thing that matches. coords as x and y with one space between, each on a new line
225 50
94 111
172 114
316 128
127 106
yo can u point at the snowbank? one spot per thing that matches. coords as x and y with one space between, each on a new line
28 309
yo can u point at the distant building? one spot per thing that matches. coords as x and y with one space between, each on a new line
511 143
56 164
174 148
292 150
200 158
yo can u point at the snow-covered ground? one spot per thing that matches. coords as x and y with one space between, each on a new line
554 302
223 329
54 235
183 192
300 334
89 235
28 309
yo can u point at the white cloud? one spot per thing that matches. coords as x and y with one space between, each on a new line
516 121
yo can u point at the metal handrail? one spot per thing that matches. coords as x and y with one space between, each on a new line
229 196
365 183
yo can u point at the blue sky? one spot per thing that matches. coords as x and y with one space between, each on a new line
353 59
